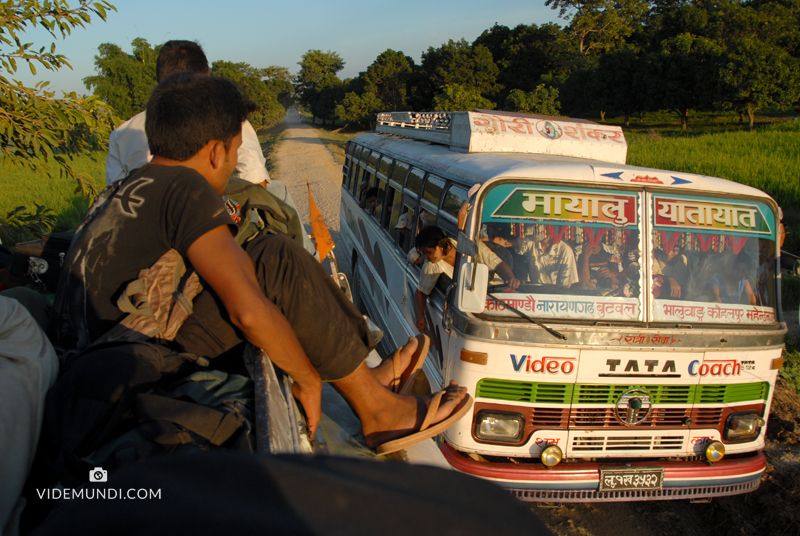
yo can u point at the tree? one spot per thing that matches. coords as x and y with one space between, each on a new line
358 109
618 82
124 81
531 52
757 74
249 79
35 126
684 75
317 71
456 63
387 78
279 83
599 24
457 97
541 100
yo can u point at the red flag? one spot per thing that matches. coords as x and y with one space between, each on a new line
322 237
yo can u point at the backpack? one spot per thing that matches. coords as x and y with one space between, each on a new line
257 212
203 411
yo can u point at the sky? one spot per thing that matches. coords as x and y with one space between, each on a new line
267 32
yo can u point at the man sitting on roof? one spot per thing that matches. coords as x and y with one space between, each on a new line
128 148
269 293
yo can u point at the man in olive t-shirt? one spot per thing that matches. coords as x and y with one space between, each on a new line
268 294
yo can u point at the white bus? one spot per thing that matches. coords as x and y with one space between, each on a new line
637 358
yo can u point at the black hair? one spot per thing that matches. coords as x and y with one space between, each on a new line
430 237
372 192
187 110
742 258
177 56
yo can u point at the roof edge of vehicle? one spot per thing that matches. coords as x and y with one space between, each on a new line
522 151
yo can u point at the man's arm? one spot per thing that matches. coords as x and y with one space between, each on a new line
260 320
420 303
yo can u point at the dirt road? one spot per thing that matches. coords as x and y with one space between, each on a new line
774 509
302 156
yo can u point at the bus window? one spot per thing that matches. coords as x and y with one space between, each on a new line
356 180
433 190
392 213
347 172
373 160
427 216
414 181
380 203
403 229
577 253
713 261
399 172
456 196
364 158
383 167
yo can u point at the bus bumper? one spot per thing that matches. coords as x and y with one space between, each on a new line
580 481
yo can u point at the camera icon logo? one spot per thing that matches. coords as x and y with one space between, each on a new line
98 474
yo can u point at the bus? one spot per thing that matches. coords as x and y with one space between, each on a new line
637 357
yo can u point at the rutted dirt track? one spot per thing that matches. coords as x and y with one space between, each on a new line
774 509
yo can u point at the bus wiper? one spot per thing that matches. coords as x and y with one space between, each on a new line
549 330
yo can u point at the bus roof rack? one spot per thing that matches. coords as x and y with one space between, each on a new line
488 131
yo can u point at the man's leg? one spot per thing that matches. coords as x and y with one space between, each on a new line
331 331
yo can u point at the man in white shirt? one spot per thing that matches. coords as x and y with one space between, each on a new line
439 252
548 263
128 148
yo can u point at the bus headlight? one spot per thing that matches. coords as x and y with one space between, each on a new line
551 456
499 426
715 451
743 426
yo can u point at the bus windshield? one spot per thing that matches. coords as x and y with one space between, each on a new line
713 260
580 254
576 252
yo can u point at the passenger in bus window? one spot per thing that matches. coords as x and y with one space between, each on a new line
369 199
403 228
733 287
548 263
600 266
671 273
439 252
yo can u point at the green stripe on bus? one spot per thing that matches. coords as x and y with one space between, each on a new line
586 393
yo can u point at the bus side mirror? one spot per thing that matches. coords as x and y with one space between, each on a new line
473 282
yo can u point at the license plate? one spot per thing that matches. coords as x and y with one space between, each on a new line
648 478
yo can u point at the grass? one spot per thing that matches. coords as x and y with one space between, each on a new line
269 139
23 187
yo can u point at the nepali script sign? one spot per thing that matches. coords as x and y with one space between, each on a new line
711 215
560 306
569 206
717 313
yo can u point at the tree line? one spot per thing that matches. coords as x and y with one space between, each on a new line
623 57
124 81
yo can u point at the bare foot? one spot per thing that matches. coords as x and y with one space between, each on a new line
384 372
408 415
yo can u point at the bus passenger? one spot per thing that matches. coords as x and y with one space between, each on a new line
734 287
600 266
548 263
369 199
439 252
671 271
